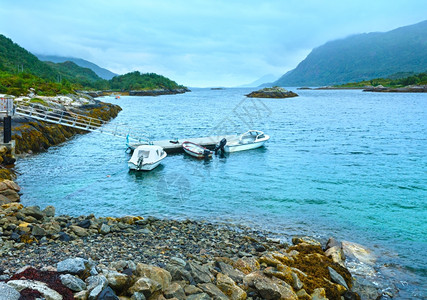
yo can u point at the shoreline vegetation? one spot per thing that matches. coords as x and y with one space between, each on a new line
397 83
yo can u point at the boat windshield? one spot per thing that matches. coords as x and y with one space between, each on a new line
143 153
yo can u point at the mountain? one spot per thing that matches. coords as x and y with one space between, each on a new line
362 57
72 72
15 59
101 72
263 80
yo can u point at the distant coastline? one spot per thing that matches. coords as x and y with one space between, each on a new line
154 92
377 89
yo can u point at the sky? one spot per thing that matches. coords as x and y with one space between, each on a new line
197 43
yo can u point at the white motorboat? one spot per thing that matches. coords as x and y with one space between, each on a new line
146 157
196 150
251 139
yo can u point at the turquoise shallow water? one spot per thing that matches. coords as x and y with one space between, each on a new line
343 163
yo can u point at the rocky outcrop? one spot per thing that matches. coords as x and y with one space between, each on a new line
274 92
37 136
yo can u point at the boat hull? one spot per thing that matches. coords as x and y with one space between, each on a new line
195 150
242 147
145 167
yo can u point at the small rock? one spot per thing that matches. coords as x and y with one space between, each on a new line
118 281
336 254
302 294
72 265
104 229
200 274
269 288
319 294
84 224
146 286
157 274
33 211
229 287
97 280
137 296
200 296
41 287
79 231
95 292
179 273
107 294
332 243
178 261
38 231
228 270
49 211
297 284
64 237
191 289
83 295
337 278
73 283
305 239
8 293
212 290
174 291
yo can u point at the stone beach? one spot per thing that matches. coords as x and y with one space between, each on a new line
138 258
49 256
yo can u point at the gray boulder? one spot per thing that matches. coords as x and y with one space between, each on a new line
73 283
200 274
107 294
8 293
72 265
33 211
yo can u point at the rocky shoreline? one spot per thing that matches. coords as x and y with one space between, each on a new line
150 258
378 89
408 89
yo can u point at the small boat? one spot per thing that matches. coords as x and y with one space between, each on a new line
251 139
196 150
146 157
117 97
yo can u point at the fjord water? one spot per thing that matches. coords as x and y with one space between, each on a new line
347 164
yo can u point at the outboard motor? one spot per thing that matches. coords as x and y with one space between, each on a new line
220 146
206 153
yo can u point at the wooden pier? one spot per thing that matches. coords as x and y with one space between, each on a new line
175 146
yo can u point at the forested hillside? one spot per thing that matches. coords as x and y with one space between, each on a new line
362 57
20 70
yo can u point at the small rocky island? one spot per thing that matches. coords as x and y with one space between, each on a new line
273 92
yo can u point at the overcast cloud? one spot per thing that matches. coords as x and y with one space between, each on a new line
197 42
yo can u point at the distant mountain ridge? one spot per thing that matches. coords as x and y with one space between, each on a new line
101 72
362 57
262 80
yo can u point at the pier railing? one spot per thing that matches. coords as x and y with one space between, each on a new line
80 121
